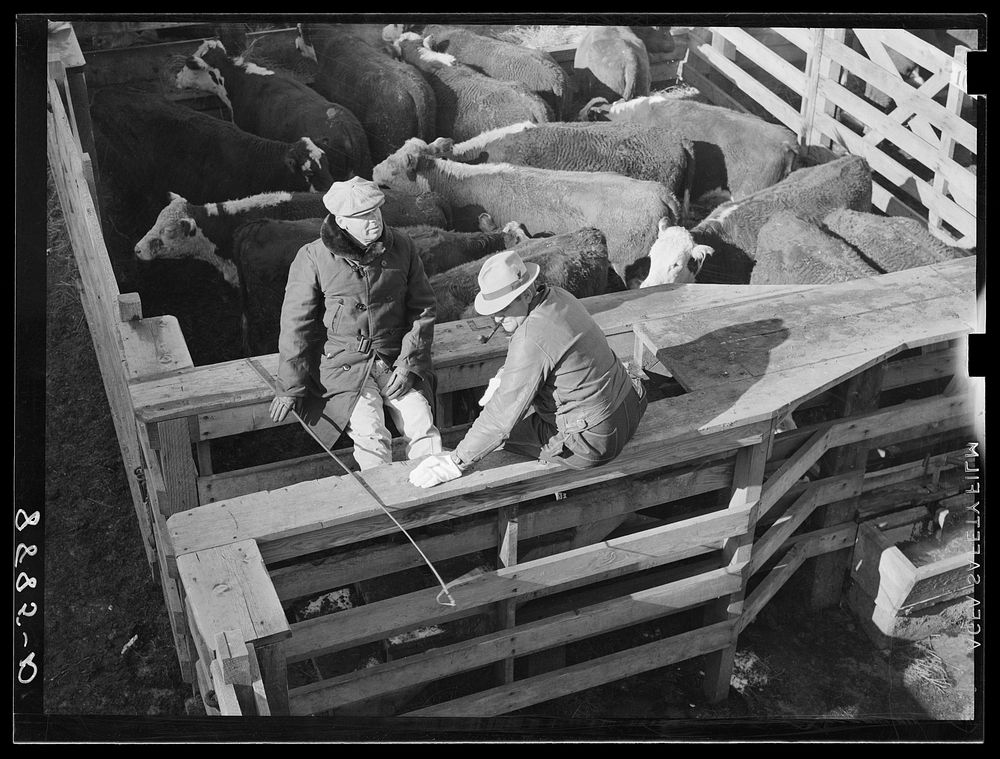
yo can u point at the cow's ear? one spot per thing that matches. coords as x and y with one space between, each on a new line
412 164
290 162
172 196
323 142
189 227
663 224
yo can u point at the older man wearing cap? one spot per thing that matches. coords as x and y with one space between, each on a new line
559 366
359 309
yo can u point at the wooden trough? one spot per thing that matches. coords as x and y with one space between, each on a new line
706 514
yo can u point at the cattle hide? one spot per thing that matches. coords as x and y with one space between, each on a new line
810 193
891 243
151 147
626 210
611 62
468 102
505 61
391 98
576 261
279 107
733 151
793 251
632 150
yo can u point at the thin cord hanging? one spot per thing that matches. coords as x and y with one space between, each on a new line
444 588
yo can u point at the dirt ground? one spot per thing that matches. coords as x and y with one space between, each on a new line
109 650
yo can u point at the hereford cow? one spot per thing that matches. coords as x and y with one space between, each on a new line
633 150
737 152
810 193
153 146
626 210
500 60
185 230
279 107
468 102
391 98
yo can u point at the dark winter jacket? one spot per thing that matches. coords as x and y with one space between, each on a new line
374 301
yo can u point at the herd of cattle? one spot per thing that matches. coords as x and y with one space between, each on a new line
476 144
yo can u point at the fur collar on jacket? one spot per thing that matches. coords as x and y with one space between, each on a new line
340 244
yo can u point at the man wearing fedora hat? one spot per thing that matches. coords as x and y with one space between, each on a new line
562 394
357 324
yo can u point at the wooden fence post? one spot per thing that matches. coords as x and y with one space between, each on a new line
748 480
825 576
813 71
507 556
956 95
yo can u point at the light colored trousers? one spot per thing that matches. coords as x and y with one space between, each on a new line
411 413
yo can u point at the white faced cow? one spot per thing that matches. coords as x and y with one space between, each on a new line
674 257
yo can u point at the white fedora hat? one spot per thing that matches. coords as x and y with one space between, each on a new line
503 277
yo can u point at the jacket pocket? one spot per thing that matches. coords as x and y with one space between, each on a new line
334 311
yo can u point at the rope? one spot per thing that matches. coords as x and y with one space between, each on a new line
444 587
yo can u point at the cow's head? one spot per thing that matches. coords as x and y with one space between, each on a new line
674 257
307 160
197 74
399 170
176 235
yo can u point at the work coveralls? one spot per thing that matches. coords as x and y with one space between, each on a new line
559 363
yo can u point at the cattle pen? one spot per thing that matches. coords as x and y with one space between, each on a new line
710 510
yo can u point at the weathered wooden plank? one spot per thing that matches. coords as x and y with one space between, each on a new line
748 479
954 102
774 104
794 467
926 467
534 579
225 693
310 514
589 674
228 589
762 56
274 673
177 467
279 474
688 73
766 545
585 622
535 518
730 344
809 86
507 539
910 371
153 346
460 360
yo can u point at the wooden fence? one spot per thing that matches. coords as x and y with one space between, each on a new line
804 85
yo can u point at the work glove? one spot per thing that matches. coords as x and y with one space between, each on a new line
400 383
434 470
491 388
281 405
